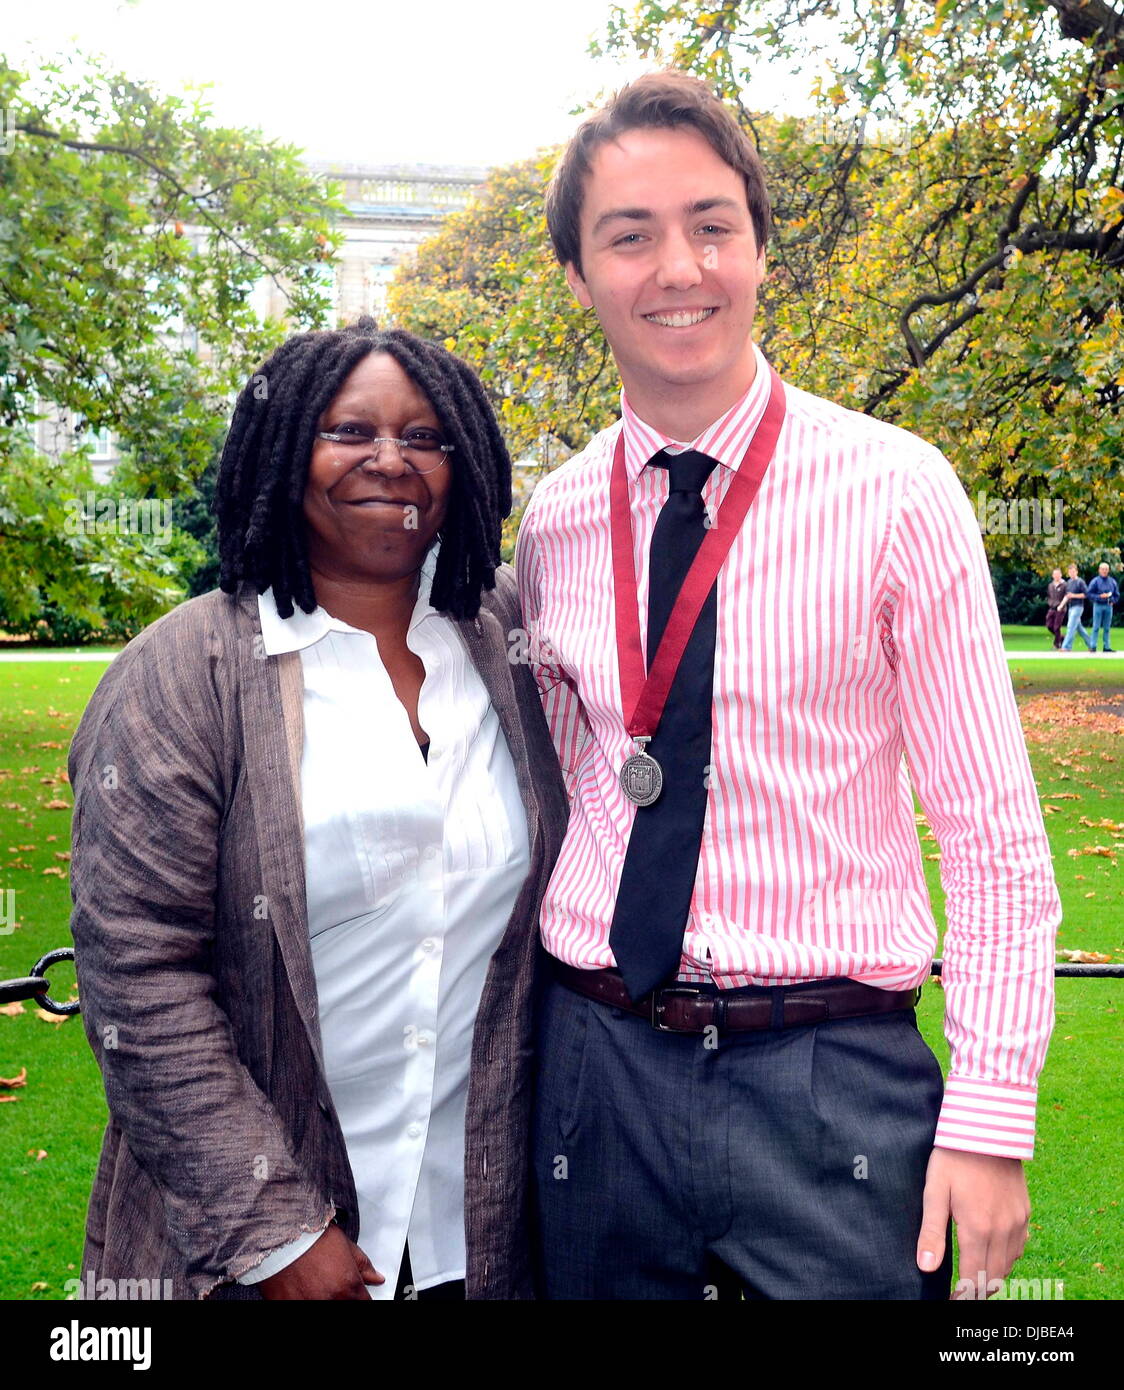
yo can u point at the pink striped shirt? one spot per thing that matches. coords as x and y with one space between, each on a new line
857 628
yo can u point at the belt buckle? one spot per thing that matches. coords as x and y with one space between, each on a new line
653 1016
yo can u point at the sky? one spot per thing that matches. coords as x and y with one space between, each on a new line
476 82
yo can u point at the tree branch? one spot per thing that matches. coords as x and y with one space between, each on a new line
131 152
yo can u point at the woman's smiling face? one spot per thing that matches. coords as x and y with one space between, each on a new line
374 518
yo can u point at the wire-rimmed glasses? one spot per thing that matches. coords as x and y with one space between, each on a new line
423 450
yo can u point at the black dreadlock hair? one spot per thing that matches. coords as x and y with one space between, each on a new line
264 465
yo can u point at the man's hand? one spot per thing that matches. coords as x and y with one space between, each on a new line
987 1198
334 1267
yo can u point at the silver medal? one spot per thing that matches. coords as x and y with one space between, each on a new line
641 777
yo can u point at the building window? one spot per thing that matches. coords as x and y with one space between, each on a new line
99 444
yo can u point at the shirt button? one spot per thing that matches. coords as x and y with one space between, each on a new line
431 851
423 1039
428 944
413 1130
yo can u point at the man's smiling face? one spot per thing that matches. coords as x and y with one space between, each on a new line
671 264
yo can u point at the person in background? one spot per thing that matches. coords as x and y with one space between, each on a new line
1105 593
314 816
1055 617
1073 602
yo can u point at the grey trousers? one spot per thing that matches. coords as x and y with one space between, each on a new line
780 1164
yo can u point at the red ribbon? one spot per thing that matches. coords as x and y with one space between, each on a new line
646 696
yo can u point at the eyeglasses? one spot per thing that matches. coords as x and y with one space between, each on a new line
417 449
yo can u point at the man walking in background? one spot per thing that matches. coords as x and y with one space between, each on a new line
1105 593
732 1087
1073 603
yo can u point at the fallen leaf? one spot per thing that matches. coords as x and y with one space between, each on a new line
48 745
54 869
1049 718
8 1100
57 806
39 1286
932 856
13 1083
51 1018
10 1010
63 854
37 1154
1086 957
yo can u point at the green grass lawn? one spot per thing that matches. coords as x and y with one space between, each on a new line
1017 637
1075 1179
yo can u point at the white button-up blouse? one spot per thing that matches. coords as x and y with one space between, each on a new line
412 870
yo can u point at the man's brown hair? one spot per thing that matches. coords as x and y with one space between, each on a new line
659 100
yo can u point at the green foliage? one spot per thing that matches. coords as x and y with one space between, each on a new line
487 283
133 234
949 225
947 251
196 517
68 575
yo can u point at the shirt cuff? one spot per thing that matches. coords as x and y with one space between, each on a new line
987 1117
279 1259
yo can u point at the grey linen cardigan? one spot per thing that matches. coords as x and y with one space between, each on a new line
195 972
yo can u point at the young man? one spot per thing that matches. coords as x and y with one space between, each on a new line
1074 601
732 1089
1105 593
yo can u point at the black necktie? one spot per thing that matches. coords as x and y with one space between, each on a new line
654 899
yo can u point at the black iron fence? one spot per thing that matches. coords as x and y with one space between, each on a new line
35 985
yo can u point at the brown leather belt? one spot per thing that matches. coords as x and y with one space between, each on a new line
688 1008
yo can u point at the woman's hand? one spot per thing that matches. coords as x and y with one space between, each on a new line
334 1267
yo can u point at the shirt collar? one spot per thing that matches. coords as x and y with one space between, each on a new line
725 440
306 629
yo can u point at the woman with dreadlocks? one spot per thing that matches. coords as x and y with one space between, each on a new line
315 812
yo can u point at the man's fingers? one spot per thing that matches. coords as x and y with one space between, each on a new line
934 1224
974 1268
367 1272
